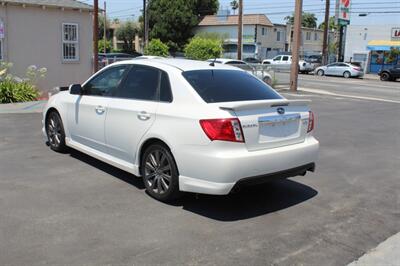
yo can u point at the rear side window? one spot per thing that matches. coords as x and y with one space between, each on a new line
165 88
141 83
228 86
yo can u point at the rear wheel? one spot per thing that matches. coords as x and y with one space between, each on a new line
55 132
160 174
385 76
347 74
320 72
267 80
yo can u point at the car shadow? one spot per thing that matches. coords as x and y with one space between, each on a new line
109 169
247 203
250 202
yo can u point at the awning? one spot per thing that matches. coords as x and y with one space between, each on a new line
381 45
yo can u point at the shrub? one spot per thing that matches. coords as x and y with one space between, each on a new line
14 89
101 46
202 49
157 48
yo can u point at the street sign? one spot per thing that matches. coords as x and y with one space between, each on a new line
344 11
395 36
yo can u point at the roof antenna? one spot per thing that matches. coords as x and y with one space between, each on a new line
213 62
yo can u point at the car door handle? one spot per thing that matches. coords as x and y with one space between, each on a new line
143 115
100 110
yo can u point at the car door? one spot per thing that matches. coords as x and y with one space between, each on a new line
341 68
87 112
331 69
132 112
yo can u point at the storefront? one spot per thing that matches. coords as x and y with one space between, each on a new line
384 54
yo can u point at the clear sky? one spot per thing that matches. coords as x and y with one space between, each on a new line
276 10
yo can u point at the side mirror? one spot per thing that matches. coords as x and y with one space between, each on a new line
76 89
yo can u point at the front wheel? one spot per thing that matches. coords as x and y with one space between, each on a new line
160 174
55 132
347 74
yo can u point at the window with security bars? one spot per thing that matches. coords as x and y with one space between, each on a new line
70 38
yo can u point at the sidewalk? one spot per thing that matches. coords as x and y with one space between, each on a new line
25 107
371 76
385 254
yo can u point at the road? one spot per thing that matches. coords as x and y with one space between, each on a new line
72 209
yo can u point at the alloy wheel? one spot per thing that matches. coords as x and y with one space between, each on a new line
54 130
158 172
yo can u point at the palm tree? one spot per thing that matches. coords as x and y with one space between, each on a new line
234 6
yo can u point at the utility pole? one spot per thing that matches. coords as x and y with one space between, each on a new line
325 54
95 35
240 29
105 28
145 24
294 70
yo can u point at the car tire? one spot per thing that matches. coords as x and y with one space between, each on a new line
347 74
320 72
267 80
385 76
55 132
160 173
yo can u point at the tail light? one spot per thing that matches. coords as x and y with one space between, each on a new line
310 122
227 129
356 68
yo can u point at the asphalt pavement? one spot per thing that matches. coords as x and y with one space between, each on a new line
73 209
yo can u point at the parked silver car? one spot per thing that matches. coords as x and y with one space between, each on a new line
346 70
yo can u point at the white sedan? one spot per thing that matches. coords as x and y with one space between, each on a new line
184 125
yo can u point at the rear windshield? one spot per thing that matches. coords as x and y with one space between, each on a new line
228 86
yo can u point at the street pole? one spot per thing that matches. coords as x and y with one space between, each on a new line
337 29
144 24
95 35
105 28
294 70
240 28
325 54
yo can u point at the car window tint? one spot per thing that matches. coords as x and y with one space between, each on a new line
332 65
342 65
235 63
277 58
228 85
165 88
105 82
141 83
285 58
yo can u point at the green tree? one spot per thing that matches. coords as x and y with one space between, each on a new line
126 32
203 49
156 47
309 20
172 21
332 25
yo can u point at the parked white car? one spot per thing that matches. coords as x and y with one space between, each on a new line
286 60
263 75
184 126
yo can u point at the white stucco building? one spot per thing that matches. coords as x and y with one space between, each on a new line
371 44
56 34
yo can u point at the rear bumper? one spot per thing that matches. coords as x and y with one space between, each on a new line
217 173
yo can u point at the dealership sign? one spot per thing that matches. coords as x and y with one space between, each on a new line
395 34
344 11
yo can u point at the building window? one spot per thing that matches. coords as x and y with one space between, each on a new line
315 36
278 36
365 36
308 36
70 39
263 31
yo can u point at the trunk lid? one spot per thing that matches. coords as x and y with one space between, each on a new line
271 123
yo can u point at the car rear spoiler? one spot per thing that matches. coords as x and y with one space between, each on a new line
239 106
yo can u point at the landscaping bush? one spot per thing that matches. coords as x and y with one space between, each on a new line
14 89
157 48
202 48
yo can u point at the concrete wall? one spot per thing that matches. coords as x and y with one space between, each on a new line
34 37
